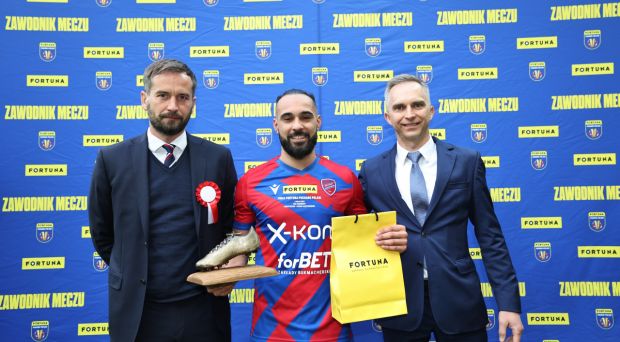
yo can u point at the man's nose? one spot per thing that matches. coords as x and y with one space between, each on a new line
172 104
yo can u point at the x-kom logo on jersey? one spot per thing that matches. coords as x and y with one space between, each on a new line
304 232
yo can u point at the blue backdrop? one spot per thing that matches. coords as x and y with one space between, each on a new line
530 84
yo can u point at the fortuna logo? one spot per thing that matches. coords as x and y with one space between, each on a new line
491 321
372 46
605 318
47 51
477 44
368 263
594 129
320 76
103 3
156 51
39 330
592 39
478 132
329 186
98 263
47 140
537 71
263 49
274 188
103 80
211 78
597 221
312 232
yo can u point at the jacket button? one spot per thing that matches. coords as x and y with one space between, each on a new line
145 243
423 234
143 281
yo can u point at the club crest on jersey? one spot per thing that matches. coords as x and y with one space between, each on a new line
319 76
98 263
263 49
211 78
103 3
538 160
47 140
597 221
537 71
374 134
103 80
605 318
592 39
45 232
491 319
376 326
210 3
424 73
372 46
477 44
39 330
478 132
594 129
156 51
264 137
329 186
47 51
542 251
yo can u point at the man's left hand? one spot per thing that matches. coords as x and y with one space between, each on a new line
225 289
392 238
510 320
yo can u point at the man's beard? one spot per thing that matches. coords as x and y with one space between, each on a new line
173 127
301 151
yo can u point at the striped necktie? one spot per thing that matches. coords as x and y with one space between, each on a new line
170 156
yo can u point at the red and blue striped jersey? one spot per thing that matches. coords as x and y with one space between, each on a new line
291 211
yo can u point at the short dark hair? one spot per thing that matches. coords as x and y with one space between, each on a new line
293 91
167 65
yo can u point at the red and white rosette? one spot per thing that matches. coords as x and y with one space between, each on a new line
208 194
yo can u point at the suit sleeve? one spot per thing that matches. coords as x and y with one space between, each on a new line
227 202
495 253
100 213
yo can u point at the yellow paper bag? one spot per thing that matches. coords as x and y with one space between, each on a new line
366 281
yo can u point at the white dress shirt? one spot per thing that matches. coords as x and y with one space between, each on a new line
155 146
428 165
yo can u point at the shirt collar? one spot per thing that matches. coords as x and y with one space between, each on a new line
155 143
427 151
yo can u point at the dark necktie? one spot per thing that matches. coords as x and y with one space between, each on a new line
417 186
170 156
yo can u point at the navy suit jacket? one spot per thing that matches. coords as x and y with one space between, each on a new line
460 194
119 224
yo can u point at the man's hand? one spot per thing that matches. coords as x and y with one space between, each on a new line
392 238
225 289
510 320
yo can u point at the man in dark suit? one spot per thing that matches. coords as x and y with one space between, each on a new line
436 188
149 226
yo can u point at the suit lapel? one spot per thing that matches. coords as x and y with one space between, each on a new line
198 165
445 164
140 167
388 175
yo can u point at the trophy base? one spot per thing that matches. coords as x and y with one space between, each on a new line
230 275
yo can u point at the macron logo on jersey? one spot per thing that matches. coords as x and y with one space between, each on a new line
312 232
274 188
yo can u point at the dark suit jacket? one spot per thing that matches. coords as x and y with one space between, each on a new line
460 194
119 223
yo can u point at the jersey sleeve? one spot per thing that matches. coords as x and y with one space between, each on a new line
356 205
244 215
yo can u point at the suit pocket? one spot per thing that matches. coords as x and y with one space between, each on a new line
457 185
465 265
115 280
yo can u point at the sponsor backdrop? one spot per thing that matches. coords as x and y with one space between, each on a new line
530 84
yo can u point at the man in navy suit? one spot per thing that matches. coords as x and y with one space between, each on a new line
436 188
149 226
